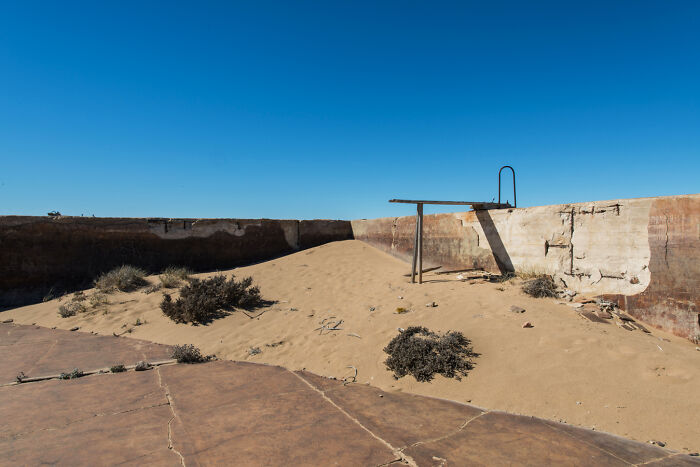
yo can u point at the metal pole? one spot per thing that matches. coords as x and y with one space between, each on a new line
415 249
420 243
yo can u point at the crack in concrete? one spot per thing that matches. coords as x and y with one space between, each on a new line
73 422
172 410
397 452
440 438
674 454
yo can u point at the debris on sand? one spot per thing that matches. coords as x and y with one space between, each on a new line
328 325
528 324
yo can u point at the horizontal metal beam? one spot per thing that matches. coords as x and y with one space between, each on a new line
476 204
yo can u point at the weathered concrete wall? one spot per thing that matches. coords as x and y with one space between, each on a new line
37 253
644 253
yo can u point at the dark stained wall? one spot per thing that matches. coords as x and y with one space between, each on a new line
38 253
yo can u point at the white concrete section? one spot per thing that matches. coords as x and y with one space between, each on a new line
599 247
611 247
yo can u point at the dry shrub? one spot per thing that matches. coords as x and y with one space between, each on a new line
202 301
543 286
117 369
97 299
422 353
71 309
173 276
125 278
188 353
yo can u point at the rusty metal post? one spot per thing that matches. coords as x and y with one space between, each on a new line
420 243
415 247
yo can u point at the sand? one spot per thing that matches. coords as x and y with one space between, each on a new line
641 386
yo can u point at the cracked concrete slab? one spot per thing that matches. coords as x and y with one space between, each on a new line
239 413
40 351
250 414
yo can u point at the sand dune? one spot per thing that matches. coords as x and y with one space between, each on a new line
564 368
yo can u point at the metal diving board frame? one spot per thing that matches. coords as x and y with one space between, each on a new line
418 244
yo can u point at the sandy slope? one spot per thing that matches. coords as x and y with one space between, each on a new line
565 368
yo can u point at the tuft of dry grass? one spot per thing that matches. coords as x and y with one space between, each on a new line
124 278
173 276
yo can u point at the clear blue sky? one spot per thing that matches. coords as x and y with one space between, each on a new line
328 109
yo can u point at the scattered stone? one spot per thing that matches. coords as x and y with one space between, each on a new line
697 348
400 329
527 324
460 277
400 297
603 314
381 395
658 443
254 350
8 321
372 308
576 305
293 309
578 402
142 366
431 304
517 309
74 328
400 310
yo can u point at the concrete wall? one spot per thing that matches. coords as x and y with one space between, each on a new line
37 253
643 253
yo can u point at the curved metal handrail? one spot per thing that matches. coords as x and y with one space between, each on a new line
515 201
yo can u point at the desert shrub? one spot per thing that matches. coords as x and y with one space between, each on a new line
153 288
201 301
118 369
188 353
70 309
423 353
98 299
76 373
542 286
79 296
174 276
125 278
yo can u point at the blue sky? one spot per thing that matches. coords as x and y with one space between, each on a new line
328 109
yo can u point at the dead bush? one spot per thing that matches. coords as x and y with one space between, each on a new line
125 278
117 369
543 286
202 301
422 353
71 309
173 276
188 353
76 373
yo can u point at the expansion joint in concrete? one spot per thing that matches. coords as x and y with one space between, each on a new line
398 452
170 422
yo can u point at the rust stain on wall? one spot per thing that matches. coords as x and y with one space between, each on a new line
672 299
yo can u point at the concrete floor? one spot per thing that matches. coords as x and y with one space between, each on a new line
247 414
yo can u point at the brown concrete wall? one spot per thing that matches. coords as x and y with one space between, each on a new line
37 253
644 253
